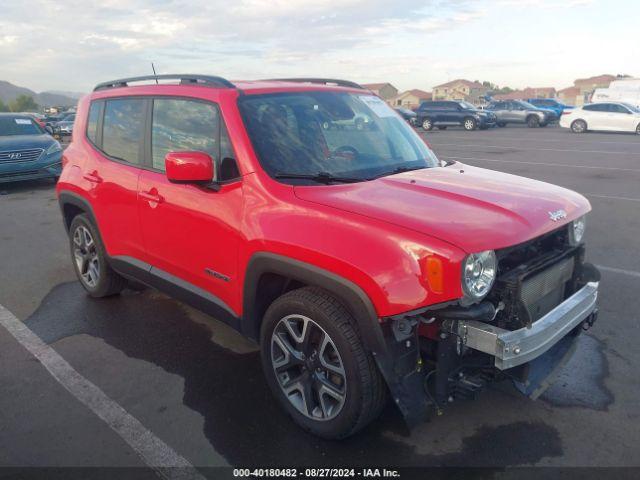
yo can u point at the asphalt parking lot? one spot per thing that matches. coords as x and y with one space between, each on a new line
198 387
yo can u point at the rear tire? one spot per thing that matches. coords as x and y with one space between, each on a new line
469 124
533 121
333 387
90 260
579 126
638 129
427 124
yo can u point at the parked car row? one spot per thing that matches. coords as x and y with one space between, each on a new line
442 114
61 124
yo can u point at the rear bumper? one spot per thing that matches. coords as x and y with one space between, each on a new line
513 348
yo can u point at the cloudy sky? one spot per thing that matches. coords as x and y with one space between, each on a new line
72 45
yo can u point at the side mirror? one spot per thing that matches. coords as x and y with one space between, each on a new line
189 167
48 129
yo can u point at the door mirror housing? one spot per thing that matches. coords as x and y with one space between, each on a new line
189 167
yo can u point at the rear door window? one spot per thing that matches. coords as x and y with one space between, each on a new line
122 130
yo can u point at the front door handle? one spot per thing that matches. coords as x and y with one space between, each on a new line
93 177
152 196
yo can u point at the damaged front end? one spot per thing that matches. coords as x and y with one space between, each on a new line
524 330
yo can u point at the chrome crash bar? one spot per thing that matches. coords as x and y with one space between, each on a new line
515 347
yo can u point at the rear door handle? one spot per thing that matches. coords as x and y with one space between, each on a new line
93 177
152 196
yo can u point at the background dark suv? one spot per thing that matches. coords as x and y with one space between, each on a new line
443 114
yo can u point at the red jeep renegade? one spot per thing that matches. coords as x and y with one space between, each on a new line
310 217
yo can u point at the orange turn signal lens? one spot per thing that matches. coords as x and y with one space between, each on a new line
434 274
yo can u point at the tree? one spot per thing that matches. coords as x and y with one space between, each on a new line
3 107
24 103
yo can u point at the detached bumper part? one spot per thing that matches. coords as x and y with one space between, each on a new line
513 348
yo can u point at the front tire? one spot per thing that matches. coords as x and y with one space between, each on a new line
533 121
470 124
90 260
316 365
638 129
427 124
578 126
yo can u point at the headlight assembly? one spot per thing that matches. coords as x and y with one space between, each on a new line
478 275
55 147
576 230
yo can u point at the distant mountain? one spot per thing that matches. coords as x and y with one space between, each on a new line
64 93
9 92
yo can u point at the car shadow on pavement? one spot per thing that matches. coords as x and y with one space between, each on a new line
10 188
242 421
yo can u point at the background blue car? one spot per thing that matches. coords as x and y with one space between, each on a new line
551 104
27 152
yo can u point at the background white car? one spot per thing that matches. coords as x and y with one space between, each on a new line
605 116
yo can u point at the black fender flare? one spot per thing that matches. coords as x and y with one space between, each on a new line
70 198
353 297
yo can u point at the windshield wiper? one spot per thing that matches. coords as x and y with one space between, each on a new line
320 177
397 170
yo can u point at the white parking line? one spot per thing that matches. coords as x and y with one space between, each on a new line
537 138
153 451
622 271
534 149
613 197
595 167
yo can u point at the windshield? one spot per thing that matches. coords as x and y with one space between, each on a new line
336 134
527 105
633 108
18 126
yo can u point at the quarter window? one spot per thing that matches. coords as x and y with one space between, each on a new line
597 107
123 129
92 121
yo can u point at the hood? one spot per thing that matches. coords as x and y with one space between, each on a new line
548 111
23 142
472 208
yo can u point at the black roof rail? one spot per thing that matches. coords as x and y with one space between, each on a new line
185 79
324 81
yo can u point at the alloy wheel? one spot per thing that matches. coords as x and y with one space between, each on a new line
427 124
308 367
469 124
578 126
85 254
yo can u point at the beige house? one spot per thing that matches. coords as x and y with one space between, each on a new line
410 99
580 92
529 92
385 91
460 90
569 95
